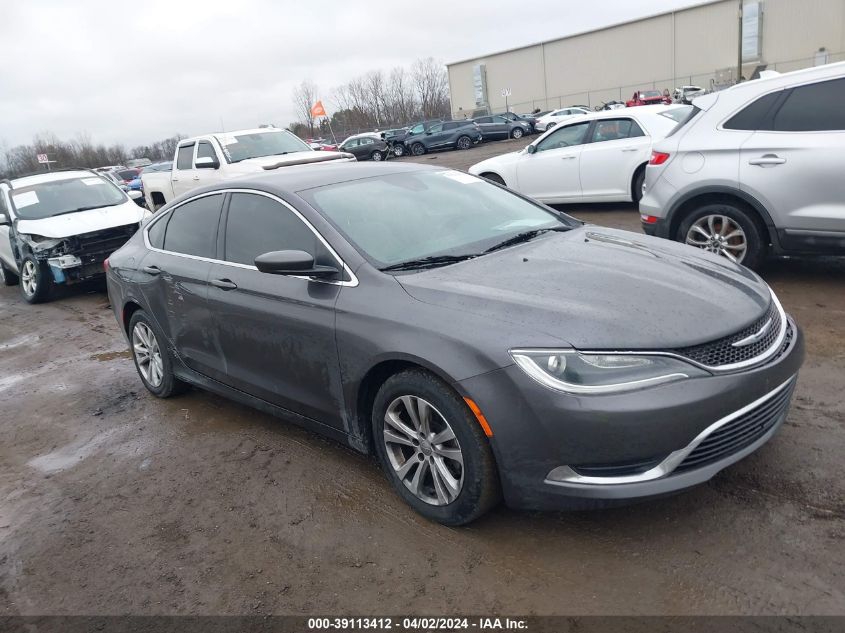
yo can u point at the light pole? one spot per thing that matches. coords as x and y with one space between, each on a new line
739 46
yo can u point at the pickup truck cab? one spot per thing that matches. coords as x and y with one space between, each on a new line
212 158
59 227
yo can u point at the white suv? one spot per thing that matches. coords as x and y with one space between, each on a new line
756 169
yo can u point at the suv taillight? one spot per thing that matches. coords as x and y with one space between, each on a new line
658 158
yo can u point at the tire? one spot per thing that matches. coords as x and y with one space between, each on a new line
36 280
494 178
724 219
144 334
463 142
449 491
550 125
377 156
417 149
518 132
7 277
398 151
637 186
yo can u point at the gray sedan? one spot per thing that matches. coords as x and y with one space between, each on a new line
480 344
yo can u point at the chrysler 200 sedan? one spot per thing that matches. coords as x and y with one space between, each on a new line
479 343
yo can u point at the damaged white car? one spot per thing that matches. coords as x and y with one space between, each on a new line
59 227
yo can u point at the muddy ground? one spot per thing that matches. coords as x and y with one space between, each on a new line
114 502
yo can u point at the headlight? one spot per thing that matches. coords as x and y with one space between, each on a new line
585 373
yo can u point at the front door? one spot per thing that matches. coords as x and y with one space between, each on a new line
276 333
608 161
182 176
551 173
6 253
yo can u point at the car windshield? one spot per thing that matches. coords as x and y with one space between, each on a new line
238 147
647 94
409 216
55 197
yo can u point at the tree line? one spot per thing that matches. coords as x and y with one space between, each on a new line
79 152
376 100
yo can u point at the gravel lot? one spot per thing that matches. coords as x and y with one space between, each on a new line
114 502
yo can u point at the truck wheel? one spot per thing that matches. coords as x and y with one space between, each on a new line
36 280
7 276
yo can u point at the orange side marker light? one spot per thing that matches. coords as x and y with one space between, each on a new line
479 416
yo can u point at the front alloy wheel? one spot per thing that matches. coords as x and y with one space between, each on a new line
35 279
464 142
418 149
719 234
423 450
518 132
398 151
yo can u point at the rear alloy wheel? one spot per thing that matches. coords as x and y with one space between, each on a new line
433 450
151 358
398 151
376 155
637 187
518 132
464 142
36 280
7 277
418 149
726 230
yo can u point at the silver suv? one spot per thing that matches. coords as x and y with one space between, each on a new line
756 169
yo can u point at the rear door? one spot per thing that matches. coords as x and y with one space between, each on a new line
615 149
436 136
486 126
352 146
276 333
794 163
551 173
500 128
182 175
6 252
173 277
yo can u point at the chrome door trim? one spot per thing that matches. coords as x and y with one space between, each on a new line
353 280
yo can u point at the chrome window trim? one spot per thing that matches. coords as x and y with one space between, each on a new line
565 474
351 283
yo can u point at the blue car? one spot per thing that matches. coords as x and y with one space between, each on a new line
135 185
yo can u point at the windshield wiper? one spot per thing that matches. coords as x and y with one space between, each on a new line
78 209
428 262
261 156
524 237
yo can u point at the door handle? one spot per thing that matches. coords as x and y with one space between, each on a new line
767 159
196 177
629 149
152 270
174 180
224 284
567 157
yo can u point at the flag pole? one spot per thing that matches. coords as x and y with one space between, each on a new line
334 138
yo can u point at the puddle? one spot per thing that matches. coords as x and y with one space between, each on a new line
71 454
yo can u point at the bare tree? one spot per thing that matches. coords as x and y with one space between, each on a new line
304 97
432 86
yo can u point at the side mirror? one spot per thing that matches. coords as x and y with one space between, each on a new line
134 194
206 162
531 148
292 263
4 220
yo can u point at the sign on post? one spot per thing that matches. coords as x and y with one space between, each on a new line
42 159
506 92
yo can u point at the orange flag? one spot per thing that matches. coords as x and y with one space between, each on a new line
318 110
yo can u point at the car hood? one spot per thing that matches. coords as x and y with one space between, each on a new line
81 222
598 288
497 161
262 163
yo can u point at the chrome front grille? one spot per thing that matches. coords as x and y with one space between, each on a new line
728 351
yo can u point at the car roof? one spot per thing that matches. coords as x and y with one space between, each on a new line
302 177
51 176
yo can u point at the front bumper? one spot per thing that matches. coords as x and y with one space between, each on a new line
557 451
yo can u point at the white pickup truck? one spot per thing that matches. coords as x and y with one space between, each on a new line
212 158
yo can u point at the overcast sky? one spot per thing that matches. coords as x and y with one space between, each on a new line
136 72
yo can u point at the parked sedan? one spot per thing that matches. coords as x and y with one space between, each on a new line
498 127
551 119
479 343
366 147
444 135
530 119
597 157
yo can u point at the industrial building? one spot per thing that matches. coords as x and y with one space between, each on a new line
699 45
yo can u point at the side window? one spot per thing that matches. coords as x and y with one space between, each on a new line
756 115
814 108
564 137
185 157
156 232
352 143
484 119
417 129
451 126
205 150
613 130
366 141
635 130
499 119
257 225
436 129
192 228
